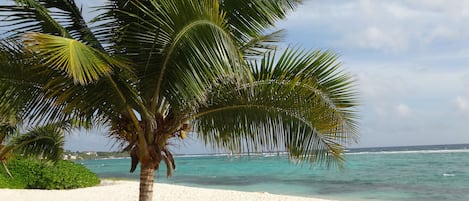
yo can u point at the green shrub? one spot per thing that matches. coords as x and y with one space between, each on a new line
66 175
7 182
35 174
23 171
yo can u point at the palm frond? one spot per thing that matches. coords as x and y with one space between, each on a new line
56 17
40 95
249 20
46 142
60 99
181 47
17 83
301 104
115 19
80 62
70 16
262 44
317 70
31 16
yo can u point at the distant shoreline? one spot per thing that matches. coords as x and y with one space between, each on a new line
393 149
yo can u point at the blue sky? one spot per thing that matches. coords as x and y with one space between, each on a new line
410 57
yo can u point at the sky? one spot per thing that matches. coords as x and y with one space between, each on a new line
410 59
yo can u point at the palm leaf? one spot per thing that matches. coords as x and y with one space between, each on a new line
182 47
56 17
261 44
250 20
31 16
80 62
17 84
41 95
46 142
300 104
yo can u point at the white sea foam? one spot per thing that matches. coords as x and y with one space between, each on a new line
413 152
115 158
266 154
448 175
192 156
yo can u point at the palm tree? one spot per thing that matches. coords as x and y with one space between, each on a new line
154 70
45 142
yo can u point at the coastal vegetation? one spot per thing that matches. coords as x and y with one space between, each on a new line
32 158
156 71
32 173
45 142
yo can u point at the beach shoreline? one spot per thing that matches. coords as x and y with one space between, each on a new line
124 190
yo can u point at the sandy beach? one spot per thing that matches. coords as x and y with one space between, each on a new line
128 191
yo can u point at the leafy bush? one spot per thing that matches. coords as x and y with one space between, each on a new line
7 182
23 171
29 173
66 175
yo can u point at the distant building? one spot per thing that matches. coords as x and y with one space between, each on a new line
91 153
70 157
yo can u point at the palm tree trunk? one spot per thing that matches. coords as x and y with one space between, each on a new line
146 182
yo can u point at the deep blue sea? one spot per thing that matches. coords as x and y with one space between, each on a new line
417 173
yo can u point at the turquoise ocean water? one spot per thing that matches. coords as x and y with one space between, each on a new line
419 173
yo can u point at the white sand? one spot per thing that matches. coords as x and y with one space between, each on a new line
128 191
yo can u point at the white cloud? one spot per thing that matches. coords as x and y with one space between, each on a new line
377 38
405 102
403 110
393 26
462 103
